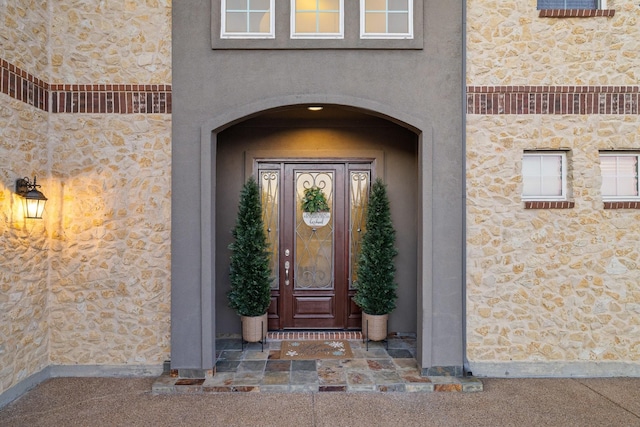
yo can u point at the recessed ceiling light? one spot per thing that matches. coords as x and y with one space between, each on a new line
314 108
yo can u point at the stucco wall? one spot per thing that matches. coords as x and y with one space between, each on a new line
550 291
420 87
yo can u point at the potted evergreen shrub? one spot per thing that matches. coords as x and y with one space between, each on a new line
250 274
376 288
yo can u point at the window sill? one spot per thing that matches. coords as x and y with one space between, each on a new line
575 13
622 205
530 204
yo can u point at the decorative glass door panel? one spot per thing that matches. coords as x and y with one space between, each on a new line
314 241
270 199
359 182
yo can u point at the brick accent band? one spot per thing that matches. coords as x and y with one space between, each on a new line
25 87
552 89
156 99
549 205
94 98
319 335
492 100
118 99
576 13
622 205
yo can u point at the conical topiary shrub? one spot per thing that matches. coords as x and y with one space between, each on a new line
376 286
250 274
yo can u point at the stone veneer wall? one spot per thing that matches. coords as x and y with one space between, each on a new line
24 34
550 291
90 283
24 245
509 44
111 42
110 246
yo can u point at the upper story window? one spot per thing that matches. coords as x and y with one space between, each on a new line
544 176
386 19
620 176
572 4
247 19
317 19
317 24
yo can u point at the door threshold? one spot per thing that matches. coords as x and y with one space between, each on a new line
314 335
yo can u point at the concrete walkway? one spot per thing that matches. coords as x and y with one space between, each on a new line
504 402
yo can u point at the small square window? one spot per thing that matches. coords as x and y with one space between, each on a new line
317 19
248 19
385 19
620 176
544 176
572 4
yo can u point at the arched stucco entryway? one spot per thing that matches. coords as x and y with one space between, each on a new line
205 317
209 141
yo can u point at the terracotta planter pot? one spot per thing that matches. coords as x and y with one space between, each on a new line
254 329
374 327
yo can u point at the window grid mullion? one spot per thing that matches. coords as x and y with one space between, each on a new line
317 33
539 176
248 11
385 29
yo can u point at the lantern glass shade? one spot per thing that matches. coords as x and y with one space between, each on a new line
33 203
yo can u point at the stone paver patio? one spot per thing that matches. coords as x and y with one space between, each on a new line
373 368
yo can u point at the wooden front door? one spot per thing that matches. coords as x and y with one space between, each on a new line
313 255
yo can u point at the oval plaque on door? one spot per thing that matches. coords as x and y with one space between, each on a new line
316 219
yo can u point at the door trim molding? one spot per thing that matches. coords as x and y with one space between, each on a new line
253 157
287 298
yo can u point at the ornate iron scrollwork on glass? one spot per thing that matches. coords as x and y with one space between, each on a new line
270 199
314 244
358 198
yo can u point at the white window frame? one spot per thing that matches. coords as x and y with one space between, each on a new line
600 5
617 154
563 177
246 35
365 35
338 35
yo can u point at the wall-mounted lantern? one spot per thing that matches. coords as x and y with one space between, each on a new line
33 200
